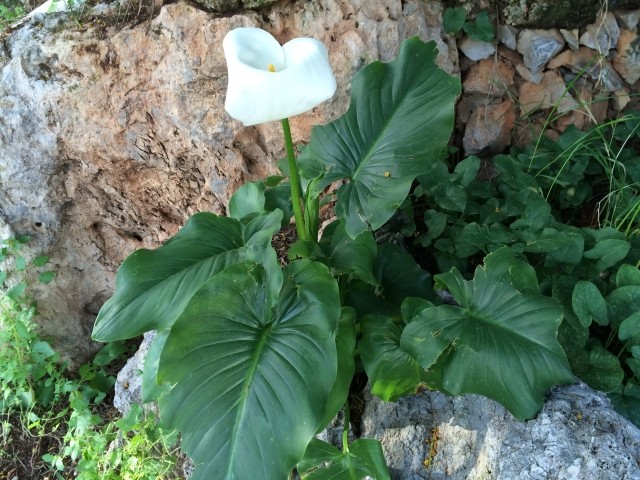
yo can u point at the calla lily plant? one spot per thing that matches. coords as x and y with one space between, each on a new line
269 82
251 358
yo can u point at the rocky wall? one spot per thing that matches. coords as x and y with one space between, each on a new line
112 134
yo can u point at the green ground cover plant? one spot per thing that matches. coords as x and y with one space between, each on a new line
567 209
10 14
52 423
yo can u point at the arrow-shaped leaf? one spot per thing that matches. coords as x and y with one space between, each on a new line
251 374
154 286
400 118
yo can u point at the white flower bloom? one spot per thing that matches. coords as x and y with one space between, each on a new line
270 82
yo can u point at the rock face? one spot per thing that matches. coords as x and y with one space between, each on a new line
111 137
431 436
576 436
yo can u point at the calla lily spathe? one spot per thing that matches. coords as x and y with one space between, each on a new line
268 81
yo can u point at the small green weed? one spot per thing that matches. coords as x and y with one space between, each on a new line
8 15
52 423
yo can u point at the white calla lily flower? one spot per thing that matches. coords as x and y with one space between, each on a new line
271 82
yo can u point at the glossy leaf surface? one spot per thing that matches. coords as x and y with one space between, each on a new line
251 372
154 286
323 461
498 342
400 118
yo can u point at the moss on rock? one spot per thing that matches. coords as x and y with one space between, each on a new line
225 6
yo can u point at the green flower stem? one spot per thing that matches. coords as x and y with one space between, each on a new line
345 429
294 179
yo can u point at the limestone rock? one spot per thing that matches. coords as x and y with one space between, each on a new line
111 137
627 58
476 49
550 13
586 60
223 6
620 99
551 92
128 386
507 36
601 35
528 75
571 37
489 128
488 76
577 435
538 47
629 19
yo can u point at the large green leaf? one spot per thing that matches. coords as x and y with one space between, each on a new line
154 286
364 459
392 371
498 342
399 119
346 346
349 255
251 373
397 275
151 390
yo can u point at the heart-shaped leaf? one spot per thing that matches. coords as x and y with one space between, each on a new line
630 329
588 304
608 252
154 286
480 29
399 120
628 275
250 373
323 461
622 303
597 367
498 342
453 20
